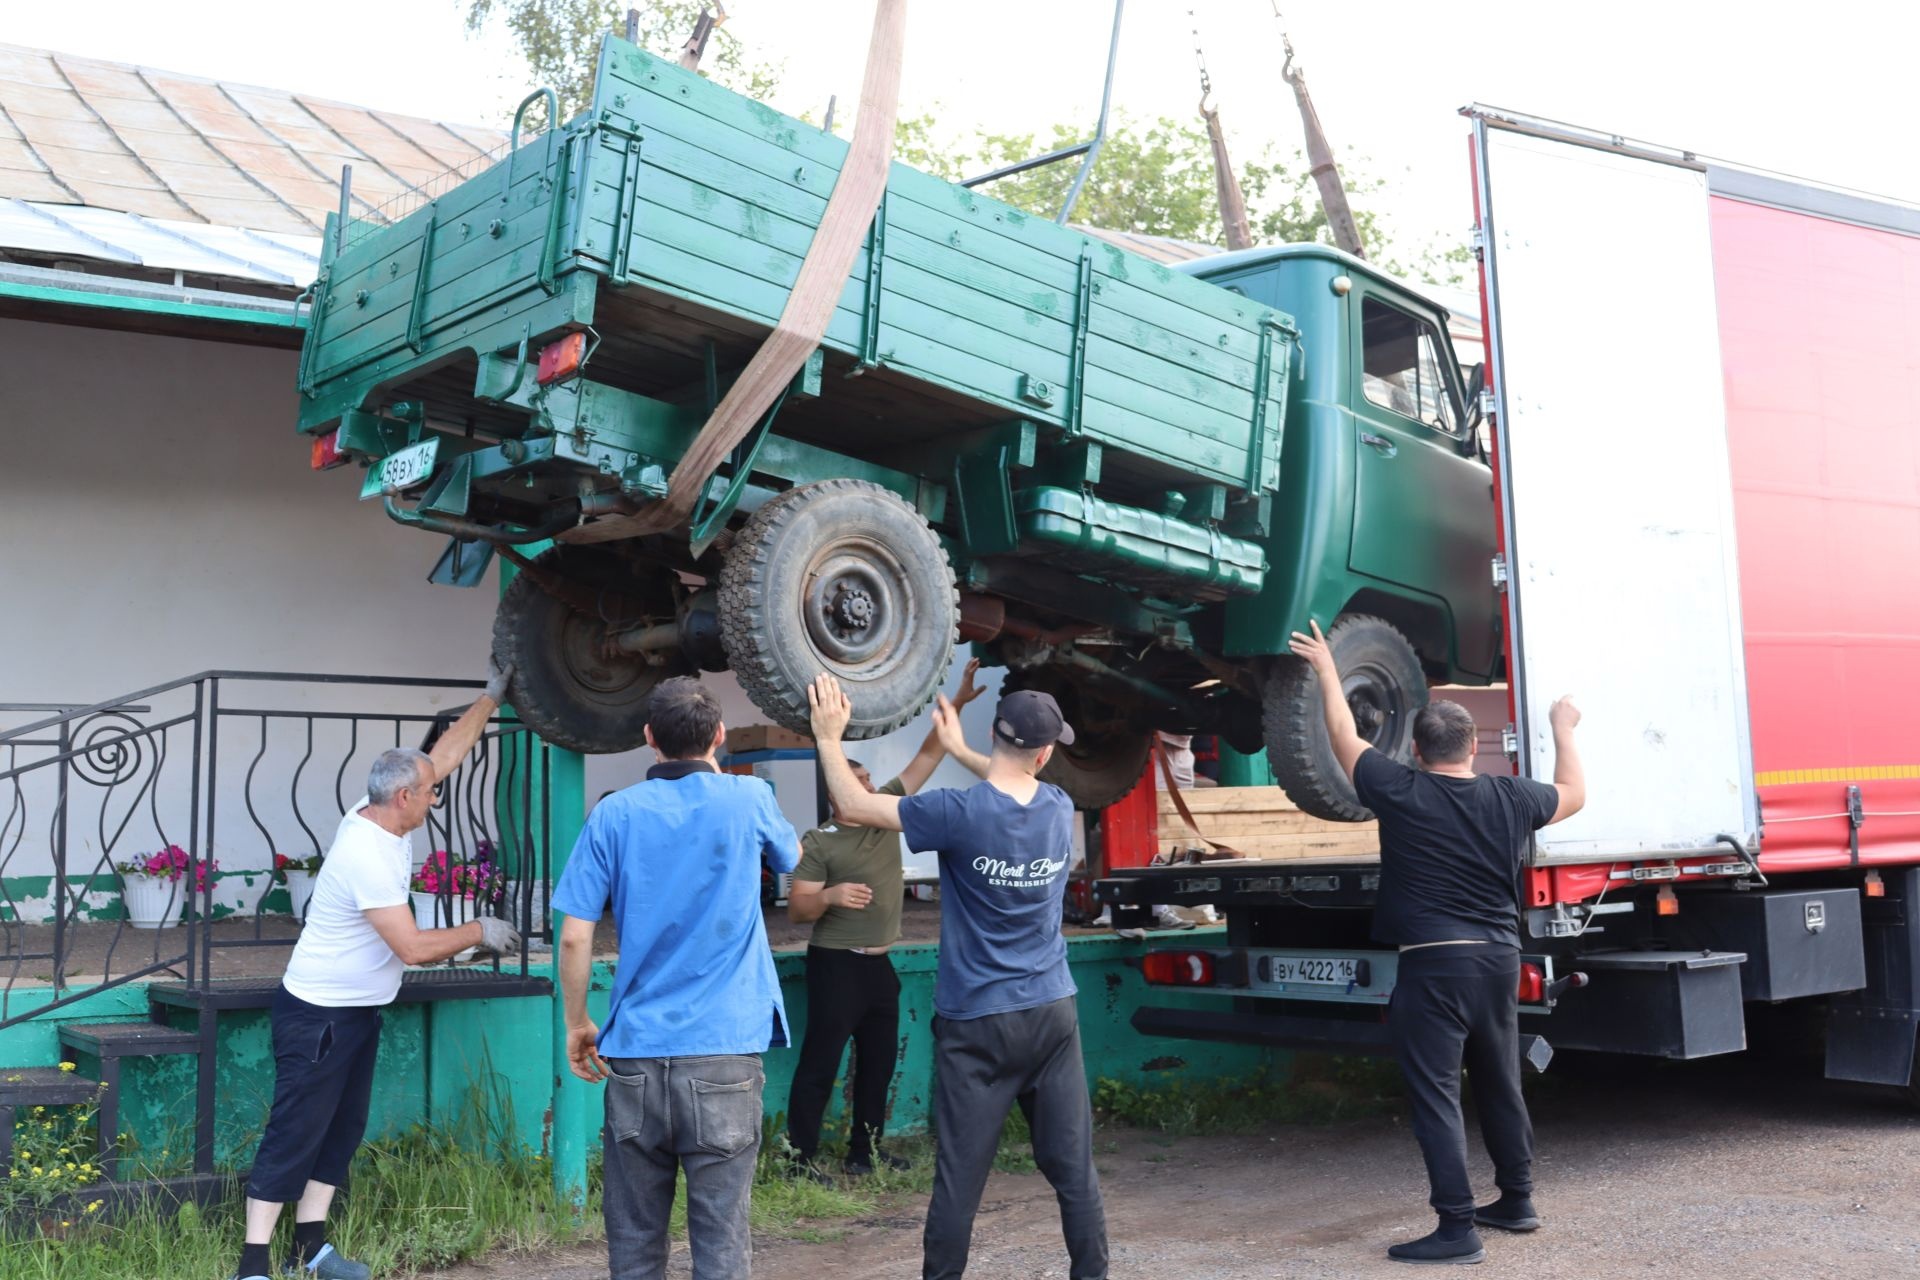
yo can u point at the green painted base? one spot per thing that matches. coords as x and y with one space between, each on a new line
1238 770
438 1060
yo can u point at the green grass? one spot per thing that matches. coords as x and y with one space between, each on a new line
415 1203
431 1198
1321 1089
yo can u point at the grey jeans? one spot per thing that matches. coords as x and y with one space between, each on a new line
668 1114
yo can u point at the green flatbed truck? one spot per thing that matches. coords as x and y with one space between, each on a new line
1126 483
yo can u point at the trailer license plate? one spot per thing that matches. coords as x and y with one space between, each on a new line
1327 971
402 470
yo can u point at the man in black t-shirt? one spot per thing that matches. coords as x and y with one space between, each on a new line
1451 844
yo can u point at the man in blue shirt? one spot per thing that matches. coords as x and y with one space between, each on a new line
1005 1027
695 999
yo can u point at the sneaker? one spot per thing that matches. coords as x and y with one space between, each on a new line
329 1264
1441 1249
1165 917
1509 1213
863 1167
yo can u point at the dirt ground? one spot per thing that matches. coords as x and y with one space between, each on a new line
1740 1168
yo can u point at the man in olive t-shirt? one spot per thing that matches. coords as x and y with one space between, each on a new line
850 884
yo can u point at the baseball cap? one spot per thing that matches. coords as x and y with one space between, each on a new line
1029 719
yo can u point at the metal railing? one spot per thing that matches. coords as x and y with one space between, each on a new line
244 766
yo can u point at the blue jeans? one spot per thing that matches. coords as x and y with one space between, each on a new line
701 1115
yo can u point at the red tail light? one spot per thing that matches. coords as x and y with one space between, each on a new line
1178 968
1533 984
326 452
561 359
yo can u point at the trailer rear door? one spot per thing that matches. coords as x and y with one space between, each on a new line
1616 491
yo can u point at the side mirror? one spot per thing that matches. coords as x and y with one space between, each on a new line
1476 383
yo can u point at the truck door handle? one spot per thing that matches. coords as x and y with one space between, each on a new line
1379 444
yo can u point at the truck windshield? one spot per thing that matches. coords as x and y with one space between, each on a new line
1402 368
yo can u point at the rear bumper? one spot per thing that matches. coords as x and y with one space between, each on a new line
1294 1031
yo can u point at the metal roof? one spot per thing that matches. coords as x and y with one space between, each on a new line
65 232
176 149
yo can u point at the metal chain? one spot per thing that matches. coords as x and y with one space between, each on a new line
1200 57
1286 42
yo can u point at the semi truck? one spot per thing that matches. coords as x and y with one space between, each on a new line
1707 487
1125 483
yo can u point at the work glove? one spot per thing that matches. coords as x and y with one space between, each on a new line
498 673
497 936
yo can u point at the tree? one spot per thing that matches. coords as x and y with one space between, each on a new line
1157 179
561 40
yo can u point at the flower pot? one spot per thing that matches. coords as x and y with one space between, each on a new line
152 902
299 892
431 911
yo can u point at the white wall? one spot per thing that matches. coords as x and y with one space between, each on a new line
158 518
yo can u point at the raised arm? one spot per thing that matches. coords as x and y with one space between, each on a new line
1348 745
853 802
932 750
1569 777
453 745
946 723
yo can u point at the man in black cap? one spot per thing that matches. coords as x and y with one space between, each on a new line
1006 1030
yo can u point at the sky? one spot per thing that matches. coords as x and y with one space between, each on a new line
1821 92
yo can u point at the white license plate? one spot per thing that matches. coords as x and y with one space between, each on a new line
1326 971
404 469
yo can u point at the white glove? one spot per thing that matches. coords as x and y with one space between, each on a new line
497 677
497 936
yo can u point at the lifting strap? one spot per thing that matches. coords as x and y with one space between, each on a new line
1186 815
816 292
1233 203
1321 167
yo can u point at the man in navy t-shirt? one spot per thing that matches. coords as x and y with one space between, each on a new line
1005 1027
1451 844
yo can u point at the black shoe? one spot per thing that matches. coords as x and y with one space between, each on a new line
1440 1249
800 1167
1509 1213
863 1167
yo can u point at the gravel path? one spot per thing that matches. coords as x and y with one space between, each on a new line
1739 1168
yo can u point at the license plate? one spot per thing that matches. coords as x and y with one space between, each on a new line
402 470
1326 971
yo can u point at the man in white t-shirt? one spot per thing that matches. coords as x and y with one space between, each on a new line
358 938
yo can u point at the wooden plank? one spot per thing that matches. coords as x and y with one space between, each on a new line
810 307
1228 799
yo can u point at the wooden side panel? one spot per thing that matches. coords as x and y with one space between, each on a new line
1263 823
973 296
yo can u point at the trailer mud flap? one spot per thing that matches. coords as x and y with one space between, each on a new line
1870 1032
1295 1031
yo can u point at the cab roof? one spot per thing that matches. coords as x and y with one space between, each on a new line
1242 259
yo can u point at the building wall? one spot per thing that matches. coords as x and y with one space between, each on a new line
160 518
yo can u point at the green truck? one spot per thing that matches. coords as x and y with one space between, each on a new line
1126 483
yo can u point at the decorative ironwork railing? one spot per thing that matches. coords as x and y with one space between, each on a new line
139 836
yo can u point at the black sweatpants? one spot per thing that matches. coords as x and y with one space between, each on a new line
848 995
983 1067
1456 1005
322 1088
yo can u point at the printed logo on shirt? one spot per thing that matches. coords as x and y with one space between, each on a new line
1018 875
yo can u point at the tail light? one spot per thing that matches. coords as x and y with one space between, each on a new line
1177 968
561 359
1666 903
326 452
1533 983
1875 887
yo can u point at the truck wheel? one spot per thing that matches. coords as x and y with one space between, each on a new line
839 576
568 686
1384 684
1108 754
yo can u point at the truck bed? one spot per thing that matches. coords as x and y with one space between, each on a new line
683 214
